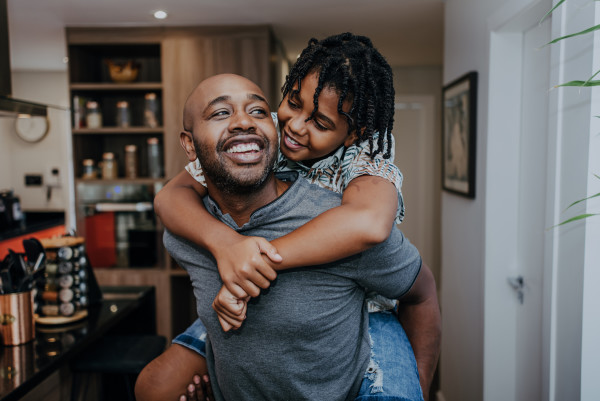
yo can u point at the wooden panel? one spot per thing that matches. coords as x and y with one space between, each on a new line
159 278
191 55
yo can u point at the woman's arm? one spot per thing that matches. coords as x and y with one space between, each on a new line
363 220
180 208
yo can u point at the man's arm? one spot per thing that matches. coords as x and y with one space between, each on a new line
419 314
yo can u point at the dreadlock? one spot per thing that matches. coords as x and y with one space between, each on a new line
350 65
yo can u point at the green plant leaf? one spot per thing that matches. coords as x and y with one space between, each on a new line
579 84
584 199
550 12
592 29
576 218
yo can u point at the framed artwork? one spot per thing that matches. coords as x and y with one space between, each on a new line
459 118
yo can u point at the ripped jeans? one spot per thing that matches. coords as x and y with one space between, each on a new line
392 373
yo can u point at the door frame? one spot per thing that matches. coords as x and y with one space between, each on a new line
506 30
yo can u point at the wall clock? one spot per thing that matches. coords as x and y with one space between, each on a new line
32 129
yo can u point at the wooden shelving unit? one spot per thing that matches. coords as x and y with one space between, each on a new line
172 62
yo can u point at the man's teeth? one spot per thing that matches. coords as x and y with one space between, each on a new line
243 147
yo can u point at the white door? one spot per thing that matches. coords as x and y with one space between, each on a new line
417 156
515 339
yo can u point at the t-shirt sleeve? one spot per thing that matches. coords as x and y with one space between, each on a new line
358 162
391 268
195 170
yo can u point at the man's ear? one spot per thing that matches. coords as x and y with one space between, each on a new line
352 139
187 143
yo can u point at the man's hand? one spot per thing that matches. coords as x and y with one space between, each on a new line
230 309
243 268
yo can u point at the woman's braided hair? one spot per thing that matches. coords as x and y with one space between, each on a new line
350 65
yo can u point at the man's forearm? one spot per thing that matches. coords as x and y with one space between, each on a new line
420 317
423 328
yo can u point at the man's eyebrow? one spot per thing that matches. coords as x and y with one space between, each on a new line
216 100
255 96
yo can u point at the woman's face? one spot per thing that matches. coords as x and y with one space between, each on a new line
311 140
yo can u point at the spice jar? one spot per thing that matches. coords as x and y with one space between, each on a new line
154 159
93 117
109 166
123 116
131 161
89 171
151 110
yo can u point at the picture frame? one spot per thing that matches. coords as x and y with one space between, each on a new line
459 130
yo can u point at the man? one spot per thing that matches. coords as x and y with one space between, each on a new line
306 336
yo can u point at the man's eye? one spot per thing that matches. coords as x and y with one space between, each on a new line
258 112
220 113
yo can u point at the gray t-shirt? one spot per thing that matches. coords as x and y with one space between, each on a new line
306 336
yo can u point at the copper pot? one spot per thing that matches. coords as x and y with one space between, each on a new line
16 318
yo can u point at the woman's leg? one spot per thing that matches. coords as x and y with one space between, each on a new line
392 374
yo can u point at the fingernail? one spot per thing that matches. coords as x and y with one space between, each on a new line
205 377
182 398
196 379
191 388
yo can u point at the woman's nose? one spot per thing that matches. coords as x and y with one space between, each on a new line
297 125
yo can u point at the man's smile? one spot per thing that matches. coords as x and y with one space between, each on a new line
245 150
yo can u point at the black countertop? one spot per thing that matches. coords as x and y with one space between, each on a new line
34 221
123 310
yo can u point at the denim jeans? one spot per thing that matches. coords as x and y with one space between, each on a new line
392 373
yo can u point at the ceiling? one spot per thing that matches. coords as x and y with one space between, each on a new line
407 32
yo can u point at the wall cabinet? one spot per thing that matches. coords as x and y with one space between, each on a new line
123 235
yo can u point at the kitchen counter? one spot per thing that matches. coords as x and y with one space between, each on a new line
123 310
39 225
35 221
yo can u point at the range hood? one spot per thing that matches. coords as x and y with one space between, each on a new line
10 106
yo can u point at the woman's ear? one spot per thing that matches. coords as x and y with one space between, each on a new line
187 143
352 139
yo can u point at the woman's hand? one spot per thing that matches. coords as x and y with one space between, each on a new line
230 309
242 266
199 390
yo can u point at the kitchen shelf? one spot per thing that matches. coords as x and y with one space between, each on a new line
119 181
118 131
109 86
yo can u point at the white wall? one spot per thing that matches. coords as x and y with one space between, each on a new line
466 48
572 328
54 150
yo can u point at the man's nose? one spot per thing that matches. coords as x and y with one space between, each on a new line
242 121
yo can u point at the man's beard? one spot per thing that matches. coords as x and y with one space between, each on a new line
224 180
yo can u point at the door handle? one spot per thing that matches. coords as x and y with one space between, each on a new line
517 283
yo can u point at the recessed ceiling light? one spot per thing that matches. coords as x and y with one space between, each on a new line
160 14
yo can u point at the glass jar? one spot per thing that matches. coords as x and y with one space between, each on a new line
154 159
109 166
93 116
151 110
89 171
123 115
131 161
